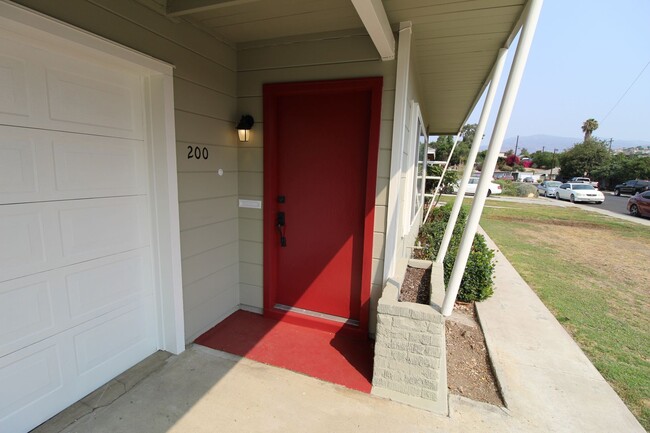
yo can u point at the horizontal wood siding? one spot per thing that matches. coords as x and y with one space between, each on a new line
206 106
326 58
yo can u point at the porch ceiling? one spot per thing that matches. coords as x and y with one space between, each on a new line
455 41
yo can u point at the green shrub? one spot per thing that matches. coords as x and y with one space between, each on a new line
477 283
516 189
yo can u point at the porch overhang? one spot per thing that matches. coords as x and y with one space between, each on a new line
455 43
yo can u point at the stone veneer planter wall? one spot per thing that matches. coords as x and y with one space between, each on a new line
410 364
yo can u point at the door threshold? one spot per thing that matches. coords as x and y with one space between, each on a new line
338 319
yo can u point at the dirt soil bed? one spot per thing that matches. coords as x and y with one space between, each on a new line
416 286
469 371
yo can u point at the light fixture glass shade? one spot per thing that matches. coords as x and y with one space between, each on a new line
243 134
244 127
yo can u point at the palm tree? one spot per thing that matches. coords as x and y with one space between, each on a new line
588 127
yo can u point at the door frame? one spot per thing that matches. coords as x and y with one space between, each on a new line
272 92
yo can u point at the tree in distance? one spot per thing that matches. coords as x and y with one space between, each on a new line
583 158
588 127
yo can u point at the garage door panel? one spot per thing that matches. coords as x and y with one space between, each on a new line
29 235
104 226
38 237
17 165
91 98
38 307
58 91
25 311
102 285
96 166
41 379
38 165
96 346
22 234
28 376
71 94
14 93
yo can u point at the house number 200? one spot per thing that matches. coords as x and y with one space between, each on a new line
197 152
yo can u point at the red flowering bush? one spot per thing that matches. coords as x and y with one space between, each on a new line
512 160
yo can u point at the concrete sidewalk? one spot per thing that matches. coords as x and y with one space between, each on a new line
546 379
548 383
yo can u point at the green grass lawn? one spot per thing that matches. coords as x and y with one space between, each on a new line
592 272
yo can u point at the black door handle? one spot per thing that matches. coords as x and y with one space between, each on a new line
280 226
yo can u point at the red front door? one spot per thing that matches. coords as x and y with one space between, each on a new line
320 158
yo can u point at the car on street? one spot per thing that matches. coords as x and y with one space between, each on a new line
639 204
583 180
632 187
548 187
579 192
495 188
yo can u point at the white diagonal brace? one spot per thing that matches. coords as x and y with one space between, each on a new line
532 13
471 158
374 18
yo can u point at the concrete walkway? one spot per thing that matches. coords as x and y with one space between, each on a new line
548 383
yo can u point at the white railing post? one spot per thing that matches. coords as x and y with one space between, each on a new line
471 158
505 111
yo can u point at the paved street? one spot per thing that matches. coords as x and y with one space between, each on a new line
612 203
615 204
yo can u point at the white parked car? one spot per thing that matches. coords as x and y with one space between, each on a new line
579 192
495 188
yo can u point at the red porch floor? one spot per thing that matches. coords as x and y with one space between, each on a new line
328 356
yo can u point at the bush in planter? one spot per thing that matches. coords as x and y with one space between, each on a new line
526 190
477 283
516 189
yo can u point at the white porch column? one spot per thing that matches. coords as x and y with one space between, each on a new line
399 131
507 104
471 158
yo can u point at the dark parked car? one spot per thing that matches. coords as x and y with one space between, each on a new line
632 187
639 205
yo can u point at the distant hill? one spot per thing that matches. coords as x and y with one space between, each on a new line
536 142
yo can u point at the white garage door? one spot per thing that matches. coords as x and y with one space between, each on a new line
77 303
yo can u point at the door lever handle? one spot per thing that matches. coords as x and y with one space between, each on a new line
281 226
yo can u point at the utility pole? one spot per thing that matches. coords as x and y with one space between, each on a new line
516 145
552 165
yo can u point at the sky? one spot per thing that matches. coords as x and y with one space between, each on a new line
584 57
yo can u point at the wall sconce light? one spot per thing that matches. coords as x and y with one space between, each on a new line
244 127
